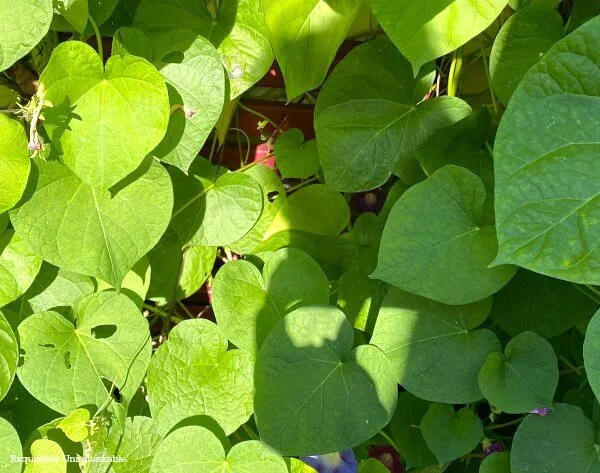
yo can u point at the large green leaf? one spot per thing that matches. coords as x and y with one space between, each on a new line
248 304
314 394
370 116
437 244
522 379
545 162
541 304
591 353
405 426
9 356
23 24
66 366
14 162
82 229
19 265
450 434
196 449
307 32
237 31
193 373
137 446
9 445
426 31
435 351
521 43
196 81
214 207
562 442
89 99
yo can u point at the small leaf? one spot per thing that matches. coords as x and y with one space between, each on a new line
76 425
496 463
295 158
14 162
67 366
307 376
450 434
50 458
248 304
196 449
434 348
71 14
524 378
194 374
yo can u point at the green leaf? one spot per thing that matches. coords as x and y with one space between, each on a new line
138 444
545 158
23 24
591 353
66 366
248 304
450 434
314 394
370 116
101 11
237 31
65 219
89 99
582 11
136 283
435 351
178 272
436 243
371 465
129 40
407 434
298 466
9 445
194 374
518 4
9 356
19 266
307 33
196 81
195 449
522 379
72 14
295 158
274 195
498 462
214 209
562 442
544 305
520 44
315 209
76 425
50 455
14 162
424 34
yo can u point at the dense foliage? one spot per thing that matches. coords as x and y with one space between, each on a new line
417 284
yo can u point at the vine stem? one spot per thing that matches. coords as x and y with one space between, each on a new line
302 184
162 313
250 432
575 369
489 79
98 38
389 440
571 366
185 309
506 424
258 114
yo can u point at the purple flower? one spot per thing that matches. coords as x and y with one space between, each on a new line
344 462
540 411
493 448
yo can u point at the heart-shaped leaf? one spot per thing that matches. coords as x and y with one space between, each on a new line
562 442
450 434
295 158
237 31
435 351
89 99
426 33
370 116
195 449
9 445
249 304
196 81
19 265
137 446
522 379
67 366
23 24
50 458
545 158
14 162
82 229
194 374
314 394
214 207
9 356
436 242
